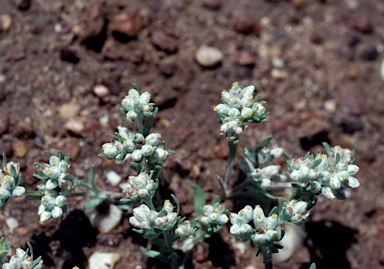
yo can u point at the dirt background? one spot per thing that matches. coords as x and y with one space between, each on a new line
317 63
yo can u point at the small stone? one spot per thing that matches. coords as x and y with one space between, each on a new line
105 223
298 4
346 53
103 260
382 69
208 56
67 54
246 24
19 148
24 4
164 42
101 91
167 66
4 123
277 62
5 22
361 24
351 105
279 74
212 4
291 242
316 38
12 223
330 105
75 125
127 22
369 54
244 57
351 126
68 111
113 178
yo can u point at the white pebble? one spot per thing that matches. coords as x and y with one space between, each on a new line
208 56
291 242
382 69
12 223
75 126
101 91
105 223
103 260
113 178
330 105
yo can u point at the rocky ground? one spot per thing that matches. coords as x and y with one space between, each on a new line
66 65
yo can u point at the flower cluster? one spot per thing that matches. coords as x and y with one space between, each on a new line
135 105
185 229
9 180
263 234
140 186
21 260
295 211
136 146
214 217
52 206
264 176
239 107
266 155
148 221
57 185
328 174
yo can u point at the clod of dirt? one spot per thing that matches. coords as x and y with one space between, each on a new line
244 57
126 23
24 4
208 56
67 54
164 42
212 4
245 24
361 24
369 54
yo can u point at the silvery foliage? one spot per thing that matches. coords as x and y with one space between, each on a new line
10 177
20 260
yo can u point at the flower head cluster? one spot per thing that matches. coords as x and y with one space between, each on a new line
266 155
185 229
9 180
148 221
328 174
21 260
239 107
140 186
263 234
135 105
52 207
295 211
139 147
214 214
56 172
264 176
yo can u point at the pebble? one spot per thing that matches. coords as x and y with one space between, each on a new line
24 4
75 125
68 110
245 24
19 148
128 22
164 42
208 56
361 24
244 57
105 223
351 126
168 66
346 53
316 38
103 260
12 223
298 4
113 178
68 54
4 123
101 91
351 105
330 105
291 242
212 4
369 54
5 22
277 62
279 74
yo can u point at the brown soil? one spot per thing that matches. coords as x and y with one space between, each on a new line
317 63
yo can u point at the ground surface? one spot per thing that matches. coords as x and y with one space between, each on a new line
317 64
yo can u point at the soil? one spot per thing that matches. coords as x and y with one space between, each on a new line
316 63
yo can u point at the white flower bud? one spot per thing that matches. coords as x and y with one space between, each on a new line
57 212
352 182
44 216
54 160
109 150
131 116
137 155
18 191
327 192
60 201
246 113
152 139
233 113
335 182
352 169
4 193
147 150
145 97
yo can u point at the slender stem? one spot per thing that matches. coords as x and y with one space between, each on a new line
232 154
140 123
169 248
268 265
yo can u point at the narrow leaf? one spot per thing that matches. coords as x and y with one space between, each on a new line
150 253
327 148
148 126
313 266
199 199
92 203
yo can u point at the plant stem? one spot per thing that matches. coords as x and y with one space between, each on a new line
268 265
232 154
140 123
